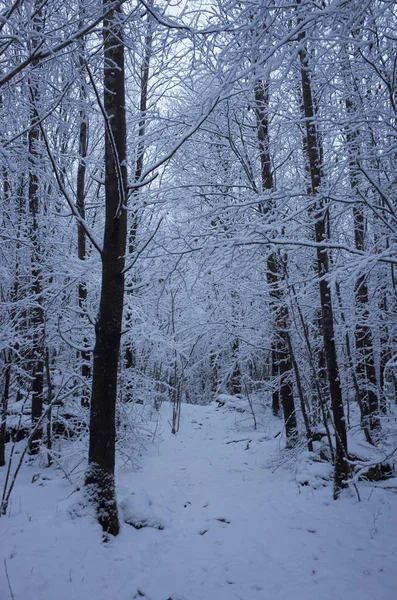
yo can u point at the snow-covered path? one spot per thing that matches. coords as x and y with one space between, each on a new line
232 528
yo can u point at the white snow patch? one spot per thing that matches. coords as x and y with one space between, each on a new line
139 510
233 529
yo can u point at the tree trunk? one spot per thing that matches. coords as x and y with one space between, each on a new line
100 475
365 365
81 236
130 359
327 321
352 370
281 359
235 379
279 308
37 314
3 413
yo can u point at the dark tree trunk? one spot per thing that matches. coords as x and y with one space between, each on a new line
3 413
100 475
306 420
281 359
281 327
365 365
235 380
388 380
327 320
130 359
274 375
36 315
50 397
81 236
6 358
356 387
316 380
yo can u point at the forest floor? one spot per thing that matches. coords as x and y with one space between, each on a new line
228 515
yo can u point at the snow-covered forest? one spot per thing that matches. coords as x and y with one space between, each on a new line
198 311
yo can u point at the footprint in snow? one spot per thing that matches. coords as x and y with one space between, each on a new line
222 520
140 594
219 519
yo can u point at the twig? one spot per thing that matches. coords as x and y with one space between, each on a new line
360 463
250 404
7 493
62 189
128 267
53 457
8 580
75 467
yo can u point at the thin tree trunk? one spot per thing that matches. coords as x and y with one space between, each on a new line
316 380
235 379
365 364
81 236
3 413
141 147
6 359
281 321
352 370
274 376
309 434
281 359
100 474
388 380
327 320
50 395
36 315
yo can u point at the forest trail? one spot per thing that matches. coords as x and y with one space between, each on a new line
221 525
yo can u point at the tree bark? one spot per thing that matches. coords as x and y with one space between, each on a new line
365 364
341 470
37 314
80 205
3 412
281 359
100 475
130 359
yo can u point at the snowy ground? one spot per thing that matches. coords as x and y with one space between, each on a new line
231 526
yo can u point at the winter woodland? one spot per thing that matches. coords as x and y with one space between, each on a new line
198 241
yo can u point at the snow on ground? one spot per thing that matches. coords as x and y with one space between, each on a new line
222 524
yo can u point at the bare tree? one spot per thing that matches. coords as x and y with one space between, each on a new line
319 211
36 313
100 474
281 359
